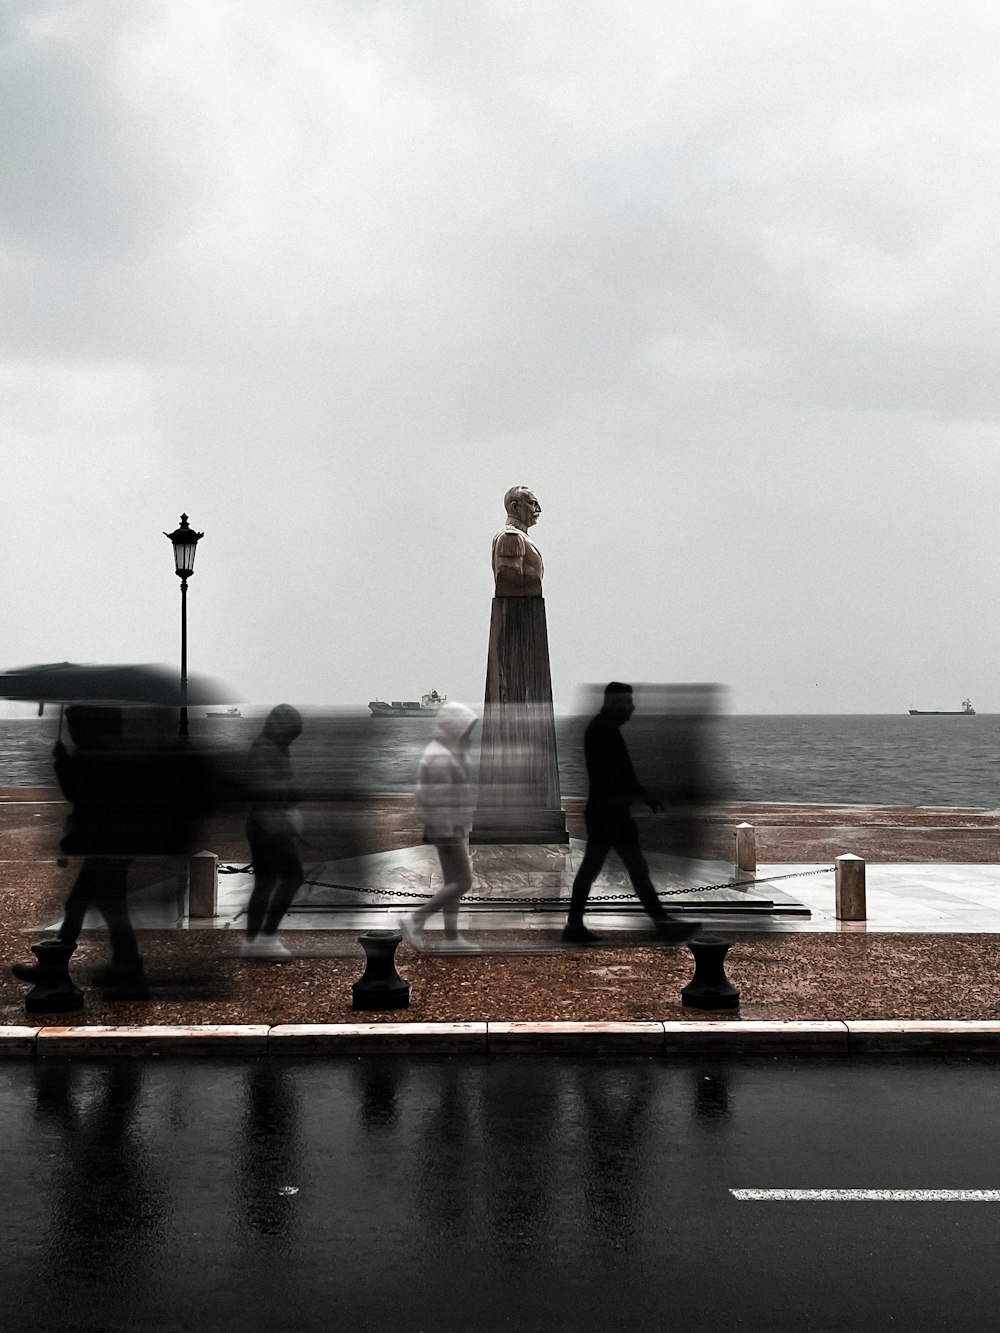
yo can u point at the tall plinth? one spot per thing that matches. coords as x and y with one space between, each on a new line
519 797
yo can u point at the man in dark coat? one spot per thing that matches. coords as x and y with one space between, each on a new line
610 826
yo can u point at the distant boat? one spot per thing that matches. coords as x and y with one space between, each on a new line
224 712
426 707
966 710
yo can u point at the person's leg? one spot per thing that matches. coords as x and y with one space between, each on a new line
456 872
277 876
264 880
590 867
111 900
286 886
670 928
80 898
638 872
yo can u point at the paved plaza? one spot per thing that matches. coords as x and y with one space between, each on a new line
371 892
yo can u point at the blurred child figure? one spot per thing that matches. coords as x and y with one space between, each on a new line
445 803
274 828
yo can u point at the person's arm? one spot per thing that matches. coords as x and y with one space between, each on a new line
636 791
65 769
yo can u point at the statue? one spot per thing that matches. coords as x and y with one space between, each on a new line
519 797
517 561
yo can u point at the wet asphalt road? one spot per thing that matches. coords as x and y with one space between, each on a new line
494 1193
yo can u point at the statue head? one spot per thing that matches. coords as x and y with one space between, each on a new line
522 506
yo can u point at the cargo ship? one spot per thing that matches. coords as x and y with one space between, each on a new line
426 707
224 712
966 710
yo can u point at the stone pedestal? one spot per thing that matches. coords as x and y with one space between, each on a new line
203 885
519 797
849 888
746 848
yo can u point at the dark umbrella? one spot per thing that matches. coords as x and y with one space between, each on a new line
73 682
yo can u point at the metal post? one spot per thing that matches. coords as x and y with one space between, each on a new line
184 658
710 988
381 987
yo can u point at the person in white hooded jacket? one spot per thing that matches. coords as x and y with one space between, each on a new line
446 803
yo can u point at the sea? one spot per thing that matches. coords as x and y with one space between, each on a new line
862 758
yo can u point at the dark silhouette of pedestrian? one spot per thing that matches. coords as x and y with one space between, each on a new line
135 791
613 787
274 829
99 779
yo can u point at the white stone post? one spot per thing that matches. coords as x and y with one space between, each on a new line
850 887
203 885
746 848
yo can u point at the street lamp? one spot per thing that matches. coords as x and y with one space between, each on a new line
185 542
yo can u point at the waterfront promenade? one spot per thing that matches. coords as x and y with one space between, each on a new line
928 950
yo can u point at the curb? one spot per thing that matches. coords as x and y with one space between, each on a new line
717 1036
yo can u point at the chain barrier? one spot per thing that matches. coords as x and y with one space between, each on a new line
542 902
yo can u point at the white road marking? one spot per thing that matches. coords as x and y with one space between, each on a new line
886 1196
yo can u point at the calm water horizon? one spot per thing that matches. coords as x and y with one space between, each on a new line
888 759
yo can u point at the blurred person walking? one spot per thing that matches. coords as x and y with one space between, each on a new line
274 828
446 804
99 777
613 787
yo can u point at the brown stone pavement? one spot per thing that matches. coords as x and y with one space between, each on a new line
198 977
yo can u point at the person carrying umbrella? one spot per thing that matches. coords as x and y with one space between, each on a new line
99 779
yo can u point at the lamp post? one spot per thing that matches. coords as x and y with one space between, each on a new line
185 541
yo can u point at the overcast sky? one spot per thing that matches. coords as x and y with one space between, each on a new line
719 281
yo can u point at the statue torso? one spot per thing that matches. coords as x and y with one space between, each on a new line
517 564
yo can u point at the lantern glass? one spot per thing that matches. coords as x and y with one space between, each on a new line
184 556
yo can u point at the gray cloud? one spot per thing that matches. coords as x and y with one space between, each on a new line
348 272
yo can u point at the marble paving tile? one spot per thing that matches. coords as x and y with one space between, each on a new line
384 1036
370 919
723 1034
905 898
877 1037
550 883
520 858
544 1037
151 1040
17 1041
504 881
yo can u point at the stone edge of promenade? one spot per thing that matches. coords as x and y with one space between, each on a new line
679 1037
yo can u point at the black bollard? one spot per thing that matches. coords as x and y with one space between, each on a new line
381 987
53 991
710 988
